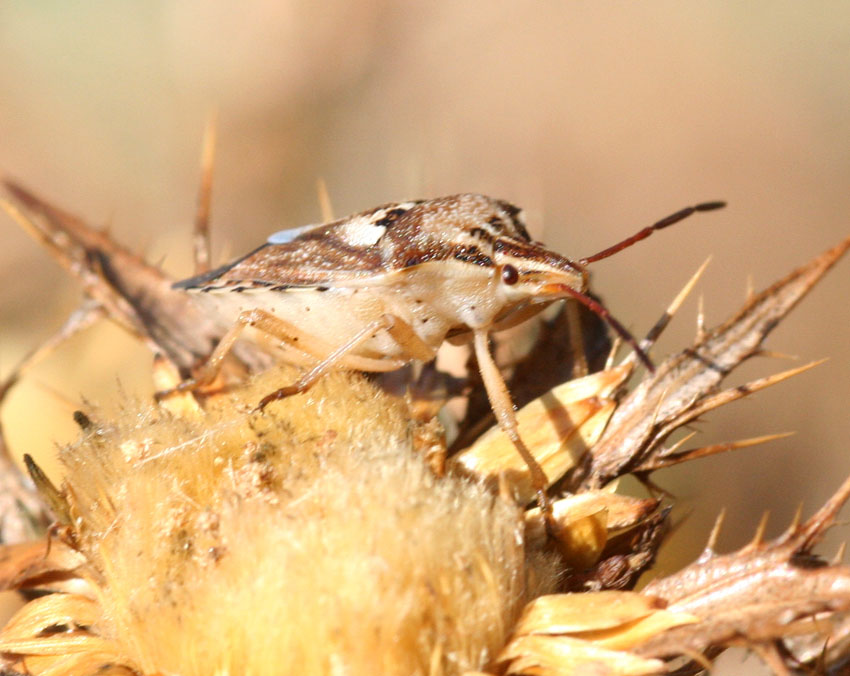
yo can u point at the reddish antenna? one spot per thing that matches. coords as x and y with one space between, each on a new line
601 311
646 232
606 316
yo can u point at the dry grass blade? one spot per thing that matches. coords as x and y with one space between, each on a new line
682 382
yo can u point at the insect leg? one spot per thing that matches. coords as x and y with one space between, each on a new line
503 407
577 348
265 322
399 329
408 339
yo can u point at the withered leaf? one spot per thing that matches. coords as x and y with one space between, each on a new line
684 385
135 294
757 594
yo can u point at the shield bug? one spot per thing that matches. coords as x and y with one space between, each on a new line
378 289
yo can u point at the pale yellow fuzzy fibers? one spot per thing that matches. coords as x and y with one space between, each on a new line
310 540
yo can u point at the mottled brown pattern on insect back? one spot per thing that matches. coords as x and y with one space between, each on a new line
531 252
463 227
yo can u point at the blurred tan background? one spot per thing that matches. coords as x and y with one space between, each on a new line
597 117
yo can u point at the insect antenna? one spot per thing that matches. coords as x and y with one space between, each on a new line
603 312
647 231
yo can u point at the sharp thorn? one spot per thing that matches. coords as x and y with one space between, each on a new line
713 537
325 205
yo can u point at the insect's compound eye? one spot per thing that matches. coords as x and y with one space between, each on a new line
510 275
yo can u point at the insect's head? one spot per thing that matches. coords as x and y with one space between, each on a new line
526 270
531 273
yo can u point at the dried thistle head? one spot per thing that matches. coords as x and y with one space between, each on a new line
289 519
321 536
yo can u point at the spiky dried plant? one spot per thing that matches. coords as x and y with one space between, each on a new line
334 533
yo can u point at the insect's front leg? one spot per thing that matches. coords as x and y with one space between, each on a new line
403 334
503 407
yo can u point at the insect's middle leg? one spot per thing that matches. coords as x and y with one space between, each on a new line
403 334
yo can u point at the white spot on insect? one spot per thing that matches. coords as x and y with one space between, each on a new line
360 231
286 236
